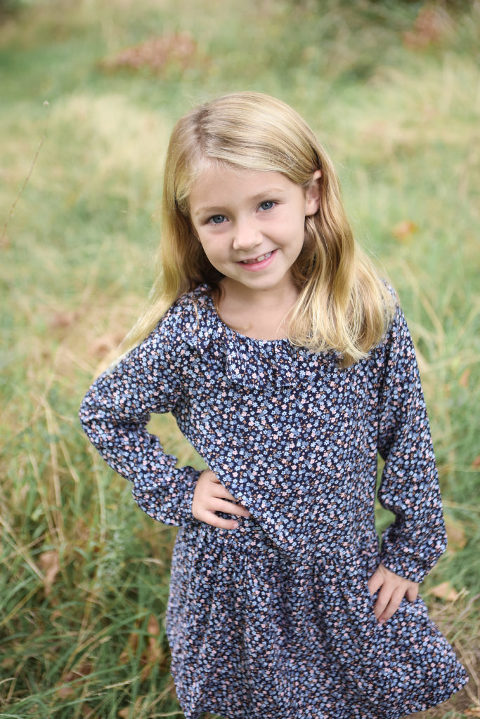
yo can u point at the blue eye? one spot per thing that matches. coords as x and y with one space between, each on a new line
267 205
217 219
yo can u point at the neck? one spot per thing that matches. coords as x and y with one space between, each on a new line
268 300
261 314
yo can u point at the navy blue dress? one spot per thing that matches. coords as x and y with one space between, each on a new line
274 619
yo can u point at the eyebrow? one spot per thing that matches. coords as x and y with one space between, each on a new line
254 198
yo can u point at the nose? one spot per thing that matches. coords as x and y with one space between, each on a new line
246 235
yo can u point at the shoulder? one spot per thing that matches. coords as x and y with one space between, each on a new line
395 318
397 345
187 318
190 304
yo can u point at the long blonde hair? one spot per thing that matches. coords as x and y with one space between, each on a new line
343 304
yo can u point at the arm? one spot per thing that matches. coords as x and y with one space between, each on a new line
409 486
114 415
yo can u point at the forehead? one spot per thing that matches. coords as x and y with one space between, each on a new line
222 184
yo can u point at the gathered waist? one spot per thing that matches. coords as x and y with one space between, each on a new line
312 546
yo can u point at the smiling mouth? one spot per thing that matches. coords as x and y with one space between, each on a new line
257 259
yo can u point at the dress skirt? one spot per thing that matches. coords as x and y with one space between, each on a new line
254 634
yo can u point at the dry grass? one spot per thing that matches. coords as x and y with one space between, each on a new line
395 96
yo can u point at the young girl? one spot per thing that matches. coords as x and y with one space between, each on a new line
288 365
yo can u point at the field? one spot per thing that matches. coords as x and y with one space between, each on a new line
89 94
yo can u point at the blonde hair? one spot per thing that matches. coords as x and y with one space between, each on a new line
343 304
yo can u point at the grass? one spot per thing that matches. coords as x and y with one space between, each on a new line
84 583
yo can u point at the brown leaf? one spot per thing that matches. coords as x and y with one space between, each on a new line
465 376
432 25
60 320
130 648
472 712
404 230
156 53
153 626
82 670
88 712
153 653
445 591
51 566
105 344
476 462
455 534
65 692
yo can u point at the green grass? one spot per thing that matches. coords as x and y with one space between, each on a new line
84 580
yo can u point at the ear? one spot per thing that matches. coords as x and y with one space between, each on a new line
312 194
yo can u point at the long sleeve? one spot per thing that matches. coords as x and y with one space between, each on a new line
409 486
114 415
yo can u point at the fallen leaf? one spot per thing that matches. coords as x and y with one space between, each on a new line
156 53
476 462
432 25
153 653
404 230
455 534
105 344
130 648
465 376
82 670
88 712
50 564
445 591
472 712
60 320
64 692
153 626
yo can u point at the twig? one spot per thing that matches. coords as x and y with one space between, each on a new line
25 182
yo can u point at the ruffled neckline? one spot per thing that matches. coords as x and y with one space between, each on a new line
251 362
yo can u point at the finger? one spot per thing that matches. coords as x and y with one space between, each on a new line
221 505
392 605
383 599
221 491
219 487
375 582
412 593
216 521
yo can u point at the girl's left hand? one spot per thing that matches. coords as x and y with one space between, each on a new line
392 590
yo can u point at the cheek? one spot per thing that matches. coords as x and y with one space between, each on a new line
213 250
295 233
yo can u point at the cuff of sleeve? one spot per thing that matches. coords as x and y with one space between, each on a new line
407 561
186 516
404 567
168 501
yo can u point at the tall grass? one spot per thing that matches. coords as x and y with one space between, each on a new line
84 581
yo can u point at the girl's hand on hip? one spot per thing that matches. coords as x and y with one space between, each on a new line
211 496
392 590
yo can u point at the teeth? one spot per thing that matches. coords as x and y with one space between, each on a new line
257 259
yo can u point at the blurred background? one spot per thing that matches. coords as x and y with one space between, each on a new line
89 91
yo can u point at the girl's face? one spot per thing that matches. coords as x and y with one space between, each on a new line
251 223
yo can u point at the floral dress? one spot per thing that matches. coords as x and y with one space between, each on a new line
274 619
